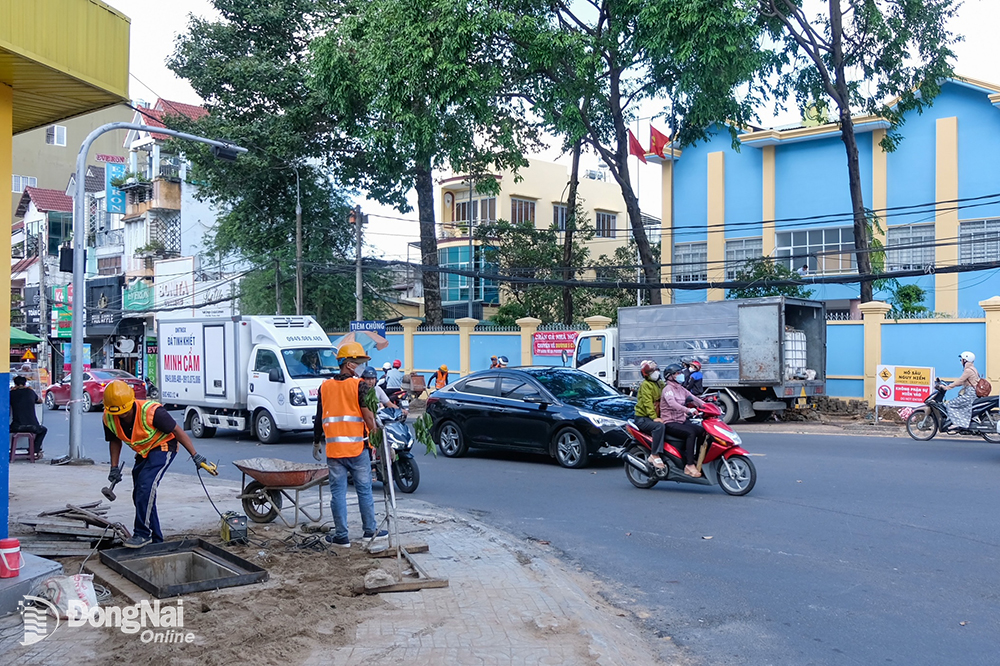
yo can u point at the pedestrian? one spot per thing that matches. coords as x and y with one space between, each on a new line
440 377
803 271
647 409
152 433
22 412
494 363
343 415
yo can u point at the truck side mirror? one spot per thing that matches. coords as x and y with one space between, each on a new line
565 357
274 375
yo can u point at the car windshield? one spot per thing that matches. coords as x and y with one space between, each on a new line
310 362
570 385
111 374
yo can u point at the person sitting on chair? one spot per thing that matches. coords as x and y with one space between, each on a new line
22 412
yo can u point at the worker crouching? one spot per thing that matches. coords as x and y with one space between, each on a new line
152 433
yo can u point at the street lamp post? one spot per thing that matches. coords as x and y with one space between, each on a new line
221 150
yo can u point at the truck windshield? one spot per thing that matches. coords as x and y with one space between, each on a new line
310 362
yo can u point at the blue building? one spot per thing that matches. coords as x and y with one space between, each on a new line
722 206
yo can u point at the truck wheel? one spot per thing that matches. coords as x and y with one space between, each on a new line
199 429
267 432
730 410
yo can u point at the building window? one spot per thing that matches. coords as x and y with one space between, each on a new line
604 224
462 211
916 247
559 216
55 135
21 182
455 288
823 250
109 265
522 210
690 262
979 241
739 251
488 209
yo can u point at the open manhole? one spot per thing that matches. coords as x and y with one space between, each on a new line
182 567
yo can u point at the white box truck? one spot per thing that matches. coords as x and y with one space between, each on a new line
761 354
257 373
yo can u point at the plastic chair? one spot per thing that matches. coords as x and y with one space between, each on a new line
29 454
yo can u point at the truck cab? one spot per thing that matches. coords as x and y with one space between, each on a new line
283 387
596 354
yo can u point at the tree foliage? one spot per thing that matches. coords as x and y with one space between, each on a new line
758 273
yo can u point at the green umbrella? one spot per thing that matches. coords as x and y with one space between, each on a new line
19 337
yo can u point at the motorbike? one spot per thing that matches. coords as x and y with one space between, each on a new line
152 393
405 472
925 422
721 459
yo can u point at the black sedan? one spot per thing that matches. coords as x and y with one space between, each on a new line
560 411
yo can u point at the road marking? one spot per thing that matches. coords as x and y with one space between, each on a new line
759 455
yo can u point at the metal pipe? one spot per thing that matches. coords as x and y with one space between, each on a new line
223 150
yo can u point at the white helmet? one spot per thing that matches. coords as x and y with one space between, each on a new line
968 357
387 366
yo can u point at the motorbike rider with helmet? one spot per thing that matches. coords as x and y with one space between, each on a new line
502 362
960 407
693 381
674 415
647 408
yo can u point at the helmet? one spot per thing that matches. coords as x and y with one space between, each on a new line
696 364
369 373
443 368
968 357
352 350
386 365
503 361
672 369
118 397
397 364
493 358
646 367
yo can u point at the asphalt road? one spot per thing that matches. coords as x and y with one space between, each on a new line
850 550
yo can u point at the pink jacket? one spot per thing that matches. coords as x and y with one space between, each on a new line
673 403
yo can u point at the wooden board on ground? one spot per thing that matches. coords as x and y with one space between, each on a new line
423 581
412 548
56 548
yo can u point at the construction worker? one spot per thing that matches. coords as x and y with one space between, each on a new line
494 363
152 433
343 415
441 377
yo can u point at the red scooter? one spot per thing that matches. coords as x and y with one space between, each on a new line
721 460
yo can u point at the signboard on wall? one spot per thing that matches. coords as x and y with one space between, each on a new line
138 295
62 312
902 386
104 304
113 197
173 280
377 327
552 343
67 350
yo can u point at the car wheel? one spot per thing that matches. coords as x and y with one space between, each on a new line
199 429
571 448
87 402
50 401
267 432
451 441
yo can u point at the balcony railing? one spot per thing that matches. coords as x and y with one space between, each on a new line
110 238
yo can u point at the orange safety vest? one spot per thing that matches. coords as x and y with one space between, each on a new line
343 425
144 437
440 379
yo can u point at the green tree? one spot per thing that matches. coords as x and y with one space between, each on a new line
620 266
758 273
884 57
907 299
419 85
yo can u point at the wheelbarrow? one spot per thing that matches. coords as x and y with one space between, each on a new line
274 482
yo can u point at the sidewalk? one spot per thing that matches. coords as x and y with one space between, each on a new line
508 601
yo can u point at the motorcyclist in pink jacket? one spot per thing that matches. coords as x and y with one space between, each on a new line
675 415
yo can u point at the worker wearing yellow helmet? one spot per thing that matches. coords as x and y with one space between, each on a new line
441 377
152 433
342 421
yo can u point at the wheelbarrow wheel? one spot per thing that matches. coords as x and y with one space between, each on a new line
264 506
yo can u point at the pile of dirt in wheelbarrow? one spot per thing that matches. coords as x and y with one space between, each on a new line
312 600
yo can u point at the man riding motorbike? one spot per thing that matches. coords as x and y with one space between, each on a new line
960 407
674 415
693 381
647 408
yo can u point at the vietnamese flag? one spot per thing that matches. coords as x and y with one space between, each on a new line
658 141
635 148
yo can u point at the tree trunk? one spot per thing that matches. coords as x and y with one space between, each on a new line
567 262
428 244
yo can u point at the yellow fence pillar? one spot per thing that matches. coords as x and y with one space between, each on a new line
873 313
716 223
528 327
946 219
666 226
465 327
992 365
409 328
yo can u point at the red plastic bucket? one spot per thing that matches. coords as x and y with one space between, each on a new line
11 559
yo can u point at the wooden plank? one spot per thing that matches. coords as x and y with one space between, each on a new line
409 586
56 548
98 521
412 548
74 530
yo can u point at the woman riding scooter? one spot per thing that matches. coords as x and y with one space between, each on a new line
674 415
960 408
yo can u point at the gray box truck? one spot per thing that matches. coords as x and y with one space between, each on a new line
761 354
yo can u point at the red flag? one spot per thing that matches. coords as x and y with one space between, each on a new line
658 141
635 148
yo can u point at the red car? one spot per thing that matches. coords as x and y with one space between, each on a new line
94 382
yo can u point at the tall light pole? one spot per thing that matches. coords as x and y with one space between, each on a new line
357 219
298 244
221 150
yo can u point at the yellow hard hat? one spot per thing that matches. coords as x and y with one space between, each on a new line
352 350
444 367
118 397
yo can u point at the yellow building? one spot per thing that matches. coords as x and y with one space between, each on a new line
538 194
58 59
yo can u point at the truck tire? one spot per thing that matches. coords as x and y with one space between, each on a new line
730 410
265 428
199 429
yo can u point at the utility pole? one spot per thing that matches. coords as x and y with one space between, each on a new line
277 287
472 251
357 219
298 244
44 319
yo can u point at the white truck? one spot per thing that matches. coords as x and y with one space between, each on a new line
760 354
257 373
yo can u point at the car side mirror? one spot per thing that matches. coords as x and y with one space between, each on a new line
536 400
275 375
565 357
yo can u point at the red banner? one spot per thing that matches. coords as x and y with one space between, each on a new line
552 343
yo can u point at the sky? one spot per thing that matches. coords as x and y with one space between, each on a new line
155 26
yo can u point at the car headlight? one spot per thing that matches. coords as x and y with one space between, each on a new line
297 397
603 422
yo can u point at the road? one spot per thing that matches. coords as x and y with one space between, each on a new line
850 550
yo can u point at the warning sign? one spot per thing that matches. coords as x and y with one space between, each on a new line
899 386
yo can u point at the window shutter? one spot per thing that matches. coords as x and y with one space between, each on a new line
50 135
